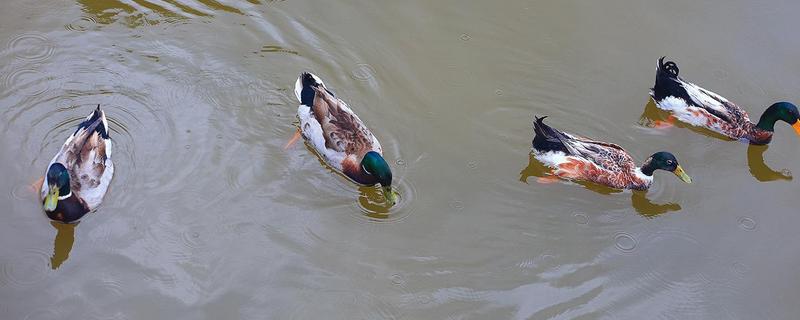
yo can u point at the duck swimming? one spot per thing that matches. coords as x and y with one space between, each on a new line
78 176
336 133
577 158
702 108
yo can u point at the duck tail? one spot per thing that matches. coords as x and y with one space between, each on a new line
304 87
666 79
546 138
95 121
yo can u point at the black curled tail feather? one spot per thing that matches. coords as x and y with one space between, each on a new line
670 67
307 94
546 138
667 81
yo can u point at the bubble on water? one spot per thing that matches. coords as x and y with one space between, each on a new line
465 37
400 162
363 72
739 268
747 223
398 279
81 24
457 204
625 242
472 164
498 92
581 218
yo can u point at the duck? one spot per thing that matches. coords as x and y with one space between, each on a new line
577 158
339 136
700 107
78 176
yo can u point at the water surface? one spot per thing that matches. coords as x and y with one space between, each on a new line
209 218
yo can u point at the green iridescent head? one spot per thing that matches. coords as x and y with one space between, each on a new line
58 186
665 161
783 111
374 165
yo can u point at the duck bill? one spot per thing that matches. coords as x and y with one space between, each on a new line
796 127
51 199
389 194
682 175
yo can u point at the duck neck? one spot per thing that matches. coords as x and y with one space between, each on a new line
648 168
767 120
762 132
69 209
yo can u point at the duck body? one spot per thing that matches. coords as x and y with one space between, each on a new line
578 158
78 176
699 107
333 130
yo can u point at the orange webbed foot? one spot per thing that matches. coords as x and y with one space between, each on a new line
36 186
665 124
293 140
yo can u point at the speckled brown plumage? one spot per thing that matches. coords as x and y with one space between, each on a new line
343 132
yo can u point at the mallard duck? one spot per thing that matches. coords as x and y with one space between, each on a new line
78 176
337 134
577 158
702 108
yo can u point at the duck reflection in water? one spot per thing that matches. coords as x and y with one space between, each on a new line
759 169
65 238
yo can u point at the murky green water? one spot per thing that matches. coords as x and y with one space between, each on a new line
209 218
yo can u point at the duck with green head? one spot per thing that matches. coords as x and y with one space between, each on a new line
573 157
78 176
336 133
697 106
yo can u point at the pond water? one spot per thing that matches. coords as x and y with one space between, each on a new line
209 217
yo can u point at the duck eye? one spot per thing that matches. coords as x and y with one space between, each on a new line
669 162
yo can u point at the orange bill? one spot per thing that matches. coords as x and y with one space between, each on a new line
796 127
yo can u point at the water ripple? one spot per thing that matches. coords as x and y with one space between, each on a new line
27 268
27 81
34 47
373 207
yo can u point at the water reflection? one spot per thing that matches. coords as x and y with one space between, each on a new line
639 199
373 203
65 237
653 117
646 208
534 169
142 12
759 169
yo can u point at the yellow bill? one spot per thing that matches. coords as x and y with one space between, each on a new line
796 127
390 195
682 174
51 200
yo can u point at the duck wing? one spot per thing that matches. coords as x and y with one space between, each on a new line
605 155
87 156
